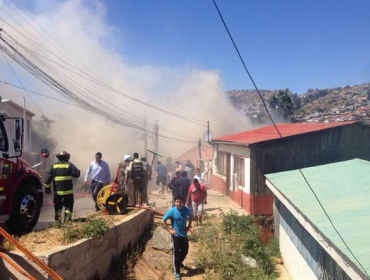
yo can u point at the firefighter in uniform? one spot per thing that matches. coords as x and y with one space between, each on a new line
61 174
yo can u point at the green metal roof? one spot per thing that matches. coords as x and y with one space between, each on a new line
343 189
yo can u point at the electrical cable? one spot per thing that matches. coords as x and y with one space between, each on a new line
44 30
48 80
2 7
97 101
33 101
92 79
264 104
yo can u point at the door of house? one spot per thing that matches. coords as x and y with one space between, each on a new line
228 173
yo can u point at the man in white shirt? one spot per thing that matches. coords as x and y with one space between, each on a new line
100 175
199 175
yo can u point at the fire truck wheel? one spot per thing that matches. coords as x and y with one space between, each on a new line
25 211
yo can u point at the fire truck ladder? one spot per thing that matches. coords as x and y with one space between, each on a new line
48 270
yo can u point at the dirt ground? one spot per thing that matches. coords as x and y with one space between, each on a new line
43 240
157 265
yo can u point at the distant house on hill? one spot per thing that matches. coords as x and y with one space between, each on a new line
309 245
242 159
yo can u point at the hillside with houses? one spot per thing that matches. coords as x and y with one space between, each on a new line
316 105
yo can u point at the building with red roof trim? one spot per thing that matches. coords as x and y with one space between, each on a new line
242 159
267 133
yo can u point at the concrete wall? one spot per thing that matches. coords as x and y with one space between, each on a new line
86 258
294 262
304 257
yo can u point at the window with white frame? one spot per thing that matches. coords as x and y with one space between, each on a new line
239 170
221 163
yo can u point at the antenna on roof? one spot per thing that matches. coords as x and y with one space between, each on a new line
208 134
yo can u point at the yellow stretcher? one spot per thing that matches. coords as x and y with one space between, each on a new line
112 199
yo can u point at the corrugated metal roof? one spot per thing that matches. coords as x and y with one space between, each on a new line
344 190
269 132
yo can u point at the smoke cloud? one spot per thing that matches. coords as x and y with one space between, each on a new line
83 30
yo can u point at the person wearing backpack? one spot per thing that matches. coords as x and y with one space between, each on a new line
135 177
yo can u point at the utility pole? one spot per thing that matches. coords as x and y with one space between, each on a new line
200 148
156 142
145 141
208 132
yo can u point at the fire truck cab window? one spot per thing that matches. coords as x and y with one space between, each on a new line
3 140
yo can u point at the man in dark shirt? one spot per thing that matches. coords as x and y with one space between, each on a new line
161 176
181 186
171 185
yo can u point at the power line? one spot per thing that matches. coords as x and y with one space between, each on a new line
94 80
291 153
15 74
92 108
44 30
32 68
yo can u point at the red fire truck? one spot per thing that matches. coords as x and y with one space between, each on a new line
21 193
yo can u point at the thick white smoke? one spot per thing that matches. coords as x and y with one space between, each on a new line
82 29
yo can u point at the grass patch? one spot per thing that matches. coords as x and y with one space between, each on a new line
94 226
221 246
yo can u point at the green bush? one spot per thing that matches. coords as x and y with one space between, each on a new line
220 246
90 227
273 248
95 228
234 223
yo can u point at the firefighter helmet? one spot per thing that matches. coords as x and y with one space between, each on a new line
63 156
127 157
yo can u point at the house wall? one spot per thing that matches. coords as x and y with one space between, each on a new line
218 183
304 258
239 194
309 149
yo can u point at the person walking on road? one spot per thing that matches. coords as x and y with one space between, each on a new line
198 194
61 175
171 186
161 177
121 172
181 186
146 179
178 166
179 217
135 176
100 173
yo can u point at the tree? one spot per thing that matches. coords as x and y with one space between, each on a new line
41 131
285 102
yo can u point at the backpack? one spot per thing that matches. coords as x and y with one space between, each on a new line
137 171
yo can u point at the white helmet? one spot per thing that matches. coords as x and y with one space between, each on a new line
127 157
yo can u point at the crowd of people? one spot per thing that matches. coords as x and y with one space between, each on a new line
189 194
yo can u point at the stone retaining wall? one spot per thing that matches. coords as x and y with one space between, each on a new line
86 258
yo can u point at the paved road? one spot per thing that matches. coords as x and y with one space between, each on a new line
83 206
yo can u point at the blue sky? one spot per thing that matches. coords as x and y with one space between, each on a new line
285 44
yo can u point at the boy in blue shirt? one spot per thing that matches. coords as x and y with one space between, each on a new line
178 216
